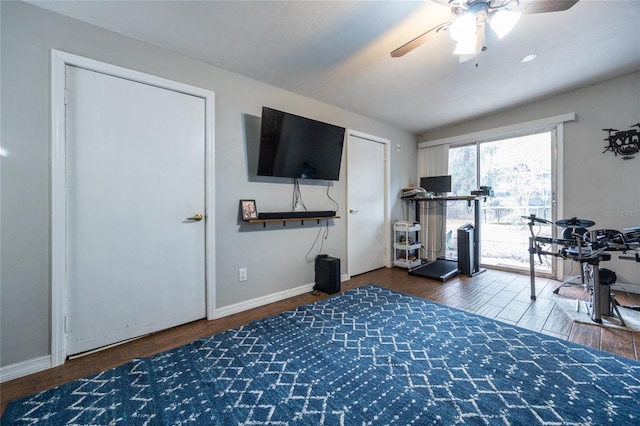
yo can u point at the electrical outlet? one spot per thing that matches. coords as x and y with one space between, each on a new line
242 274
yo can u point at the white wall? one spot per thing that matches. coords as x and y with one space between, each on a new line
597 186
274 256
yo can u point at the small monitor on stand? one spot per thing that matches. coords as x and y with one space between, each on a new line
439 185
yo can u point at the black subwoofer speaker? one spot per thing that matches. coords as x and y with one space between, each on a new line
327 274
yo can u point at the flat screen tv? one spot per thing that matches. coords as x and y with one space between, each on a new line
436 184
297 147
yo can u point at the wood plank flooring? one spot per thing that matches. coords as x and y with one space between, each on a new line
500 295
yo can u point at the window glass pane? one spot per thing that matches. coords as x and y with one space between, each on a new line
462 168
519 172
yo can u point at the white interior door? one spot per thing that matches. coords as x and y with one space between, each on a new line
135 173
366 189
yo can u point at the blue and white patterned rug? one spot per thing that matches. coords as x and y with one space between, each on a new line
369 356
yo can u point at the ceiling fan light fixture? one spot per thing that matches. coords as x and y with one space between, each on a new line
464 27
467 46
503 21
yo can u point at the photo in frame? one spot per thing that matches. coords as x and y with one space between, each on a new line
248 209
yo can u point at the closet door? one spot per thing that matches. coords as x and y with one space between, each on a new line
366 193
135 172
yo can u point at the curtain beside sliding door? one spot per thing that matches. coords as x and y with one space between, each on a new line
433 161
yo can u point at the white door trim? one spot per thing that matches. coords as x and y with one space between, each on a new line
59 60
387 180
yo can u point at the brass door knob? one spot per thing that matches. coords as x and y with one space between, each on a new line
196 217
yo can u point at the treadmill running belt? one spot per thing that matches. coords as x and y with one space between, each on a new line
440 269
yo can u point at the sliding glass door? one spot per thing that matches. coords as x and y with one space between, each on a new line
464 179
520 170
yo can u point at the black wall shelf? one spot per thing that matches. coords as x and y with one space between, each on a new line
285 220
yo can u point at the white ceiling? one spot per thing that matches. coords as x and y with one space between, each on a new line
338 51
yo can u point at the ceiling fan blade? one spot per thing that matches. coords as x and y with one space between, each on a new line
421 39
544 6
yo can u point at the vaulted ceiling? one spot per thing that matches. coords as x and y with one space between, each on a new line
338 52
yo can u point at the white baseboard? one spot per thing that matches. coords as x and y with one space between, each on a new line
265 300
631 288
24 368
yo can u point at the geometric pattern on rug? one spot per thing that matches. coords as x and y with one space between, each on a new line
369 356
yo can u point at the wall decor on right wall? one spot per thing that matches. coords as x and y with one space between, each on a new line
625 142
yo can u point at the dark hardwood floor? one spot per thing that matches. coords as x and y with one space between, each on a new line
496 294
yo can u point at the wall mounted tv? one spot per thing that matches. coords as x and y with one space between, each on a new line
297 147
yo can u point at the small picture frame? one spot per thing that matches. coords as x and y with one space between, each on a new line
248 209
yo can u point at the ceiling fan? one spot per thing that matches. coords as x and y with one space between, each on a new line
471 17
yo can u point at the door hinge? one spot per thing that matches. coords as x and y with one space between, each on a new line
66 96
66 325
